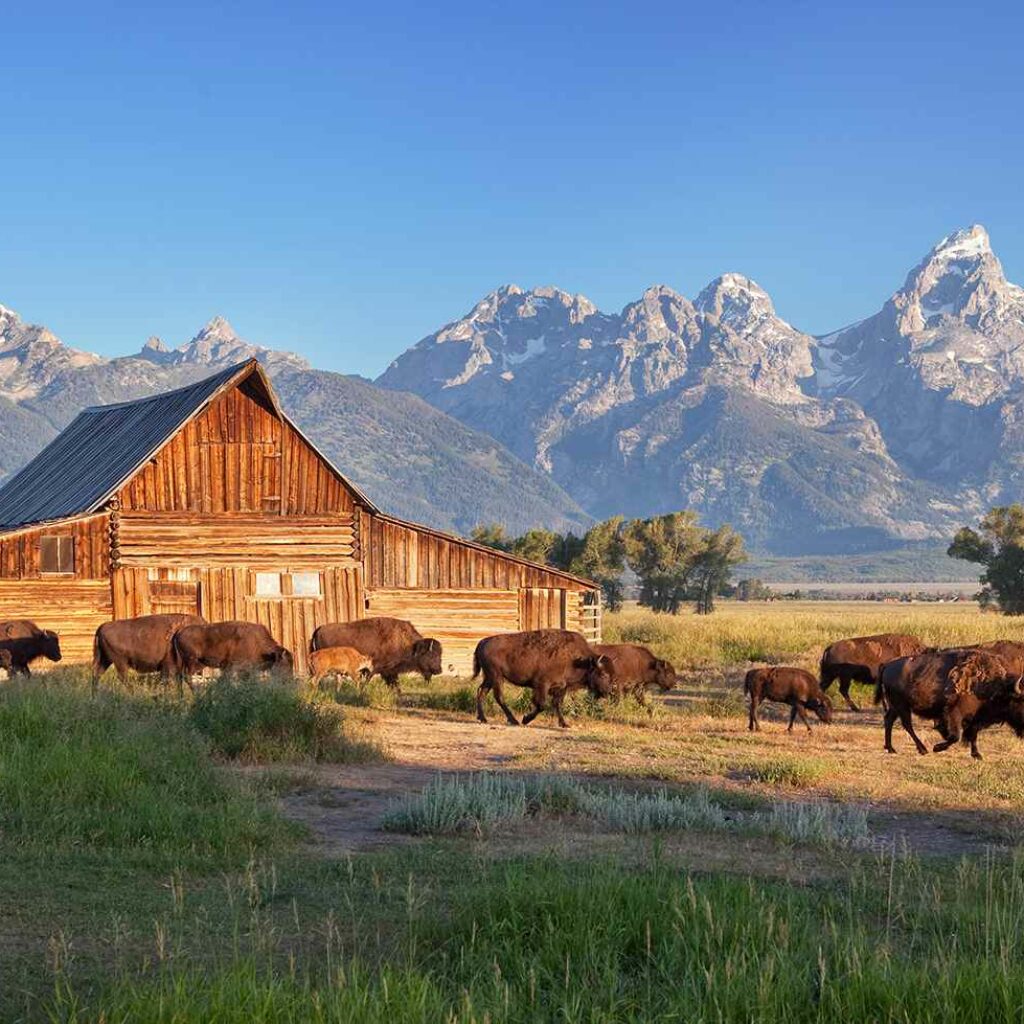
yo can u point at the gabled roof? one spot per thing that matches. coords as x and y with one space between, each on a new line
106 445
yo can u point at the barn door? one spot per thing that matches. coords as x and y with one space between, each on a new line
168 597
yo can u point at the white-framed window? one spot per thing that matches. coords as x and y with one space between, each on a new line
56 553
268 584
305 584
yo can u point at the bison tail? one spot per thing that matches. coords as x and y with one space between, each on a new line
477 667
879 697
98 667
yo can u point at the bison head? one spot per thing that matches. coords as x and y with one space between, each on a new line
598 676
664 674
281 659
1015 708
822 708
50 645
426 654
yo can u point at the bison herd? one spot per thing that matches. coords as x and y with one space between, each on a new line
962 690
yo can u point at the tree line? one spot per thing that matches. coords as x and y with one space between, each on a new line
675 559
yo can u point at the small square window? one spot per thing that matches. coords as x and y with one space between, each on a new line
268 584
306 584
56 553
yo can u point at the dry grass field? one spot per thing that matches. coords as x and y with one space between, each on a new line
264 854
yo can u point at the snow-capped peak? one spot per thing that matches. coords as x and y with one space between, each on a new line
965 243
734 300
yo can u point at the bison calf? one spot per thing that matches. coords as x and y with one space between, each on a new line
792 686
25 642
634 668
342 661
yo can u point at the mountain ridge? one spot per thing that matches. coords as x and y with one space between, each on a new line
897 413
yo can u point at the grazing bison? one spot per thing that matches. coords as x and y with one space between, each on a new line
393 645
141 644
858 659
550 662
25 642
343 661
229 646
962 690
792 686
634 668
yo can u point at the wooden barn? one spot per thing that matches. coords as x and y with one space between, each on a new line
209 499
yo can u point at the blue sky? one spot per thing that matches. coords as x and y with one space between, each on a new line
343 179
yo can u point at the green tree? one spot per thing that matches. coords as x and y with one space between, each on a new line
662 552
537 545
492 535
753 589
720 551
998 545
602 558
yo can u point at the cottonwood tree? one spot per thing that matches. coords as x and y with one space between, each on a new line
998 545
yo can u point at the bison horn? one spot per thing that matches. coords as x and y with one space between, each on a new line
1018 687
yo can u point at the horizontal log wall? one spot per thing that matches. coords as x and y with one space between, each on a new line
458 618
238 456
175 539
75 609
403 555
19 552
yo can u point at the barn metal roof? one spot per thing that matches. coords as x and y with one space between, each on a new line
102 448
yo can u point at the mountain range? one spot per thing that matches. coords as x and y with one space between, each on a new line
896 429
537 408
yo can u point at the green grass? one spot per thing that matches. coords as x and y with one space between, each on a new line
256 720
535 940
112 772
799 772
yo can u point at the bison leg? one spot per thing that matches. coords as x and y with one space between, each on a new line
754 725
890 721
971 736
799 710
540 698
556 702
907 721
481 692
844 689
499 696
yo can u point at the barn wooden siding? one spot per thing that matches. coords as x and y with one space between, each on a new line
237 456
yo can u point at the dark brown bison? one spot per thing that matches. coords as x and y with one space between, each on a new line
792 686
229 646
393 645
962 690
634 668
858 660
26 642
141 644
550 662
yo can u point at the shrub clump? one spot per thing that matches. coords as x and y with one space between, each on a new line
253 720
480 802
798 772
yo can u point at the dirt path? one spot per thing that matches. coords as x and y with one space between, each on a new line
343 805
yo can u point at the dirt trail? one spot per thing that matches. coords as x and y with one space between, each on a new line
343 805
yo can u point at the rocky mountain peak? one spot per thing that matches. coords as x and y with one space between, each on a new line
735 301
